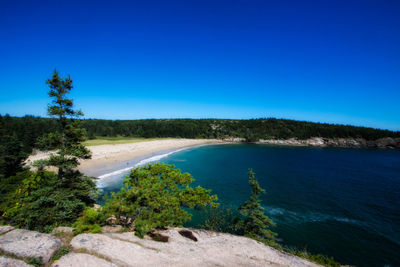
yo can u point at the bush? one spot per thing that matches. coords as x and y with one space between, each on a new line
154 196
220 219
89 222
317 258
42 201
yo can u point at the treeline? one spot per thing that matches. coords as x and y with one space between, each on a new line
28 128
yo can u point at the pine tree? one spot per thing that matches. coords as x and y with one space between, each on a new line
255 224
68 140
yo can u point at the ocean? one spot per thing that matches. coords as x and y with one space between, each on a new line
339 202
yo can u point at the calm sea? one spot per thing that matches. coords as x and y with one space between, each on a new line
343 203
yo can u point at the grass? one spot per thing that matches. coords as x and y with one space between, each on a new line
118 140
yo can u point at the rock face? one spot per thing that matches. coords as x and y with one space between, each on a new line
7 262
210 249
5 229
82 260
178 247
340 142
28 244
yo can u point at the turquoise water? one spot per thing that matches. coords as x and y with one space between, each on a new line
340 202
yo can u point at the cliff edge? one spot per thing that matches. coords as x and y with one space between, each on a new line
174 247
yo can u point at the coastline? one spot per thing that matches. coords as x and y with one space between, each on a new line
109 154
109 162
123 157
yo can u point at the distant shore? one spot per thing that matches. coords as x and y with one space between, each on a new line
113 153
106 154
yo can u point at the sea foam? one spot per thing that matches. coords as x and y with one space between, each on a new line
100 184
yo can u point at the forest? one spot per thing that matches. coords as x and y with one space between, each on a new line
25 130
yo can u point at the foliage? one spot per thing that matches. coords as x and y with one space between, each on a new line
155 196
11 152
43 202
37 262
117 140
89 222
69 139
8 186
61 252
255 224
28 128
317 258
220 219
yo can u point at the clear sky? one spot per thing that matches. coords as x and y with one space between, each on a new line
323 60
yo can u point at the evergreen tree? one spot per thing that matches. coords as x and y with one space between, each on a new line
12 155
158 195
255 224
68 140
42 200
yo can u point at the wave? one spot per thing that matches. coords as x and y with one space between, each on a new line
140 163
296 217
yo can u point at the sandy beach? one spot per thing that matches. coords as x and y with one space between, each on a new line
105 154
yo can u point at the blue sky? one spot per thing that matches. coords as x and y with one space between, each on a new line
322 60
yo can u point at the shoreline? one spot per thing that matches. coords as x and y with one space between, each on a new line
107 158
113 154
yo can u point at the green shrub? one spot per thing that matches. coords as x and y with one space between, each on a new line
89 222
154 196
220 219
42 201
37 262
61 252
317 258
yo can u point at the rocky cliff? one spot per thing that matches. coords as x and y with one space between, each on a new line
175 247
391 143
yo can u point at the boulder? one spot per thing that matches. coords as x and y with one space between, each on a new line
316 141
7 262
387 142
82 260
29 244
5 229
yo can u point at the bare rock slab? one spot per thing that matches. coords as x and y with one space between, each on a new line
82 260
29 244
184 247
7 262
123 253
5 229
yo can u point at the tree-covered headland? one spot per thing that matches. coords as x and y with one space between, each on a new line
27 129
